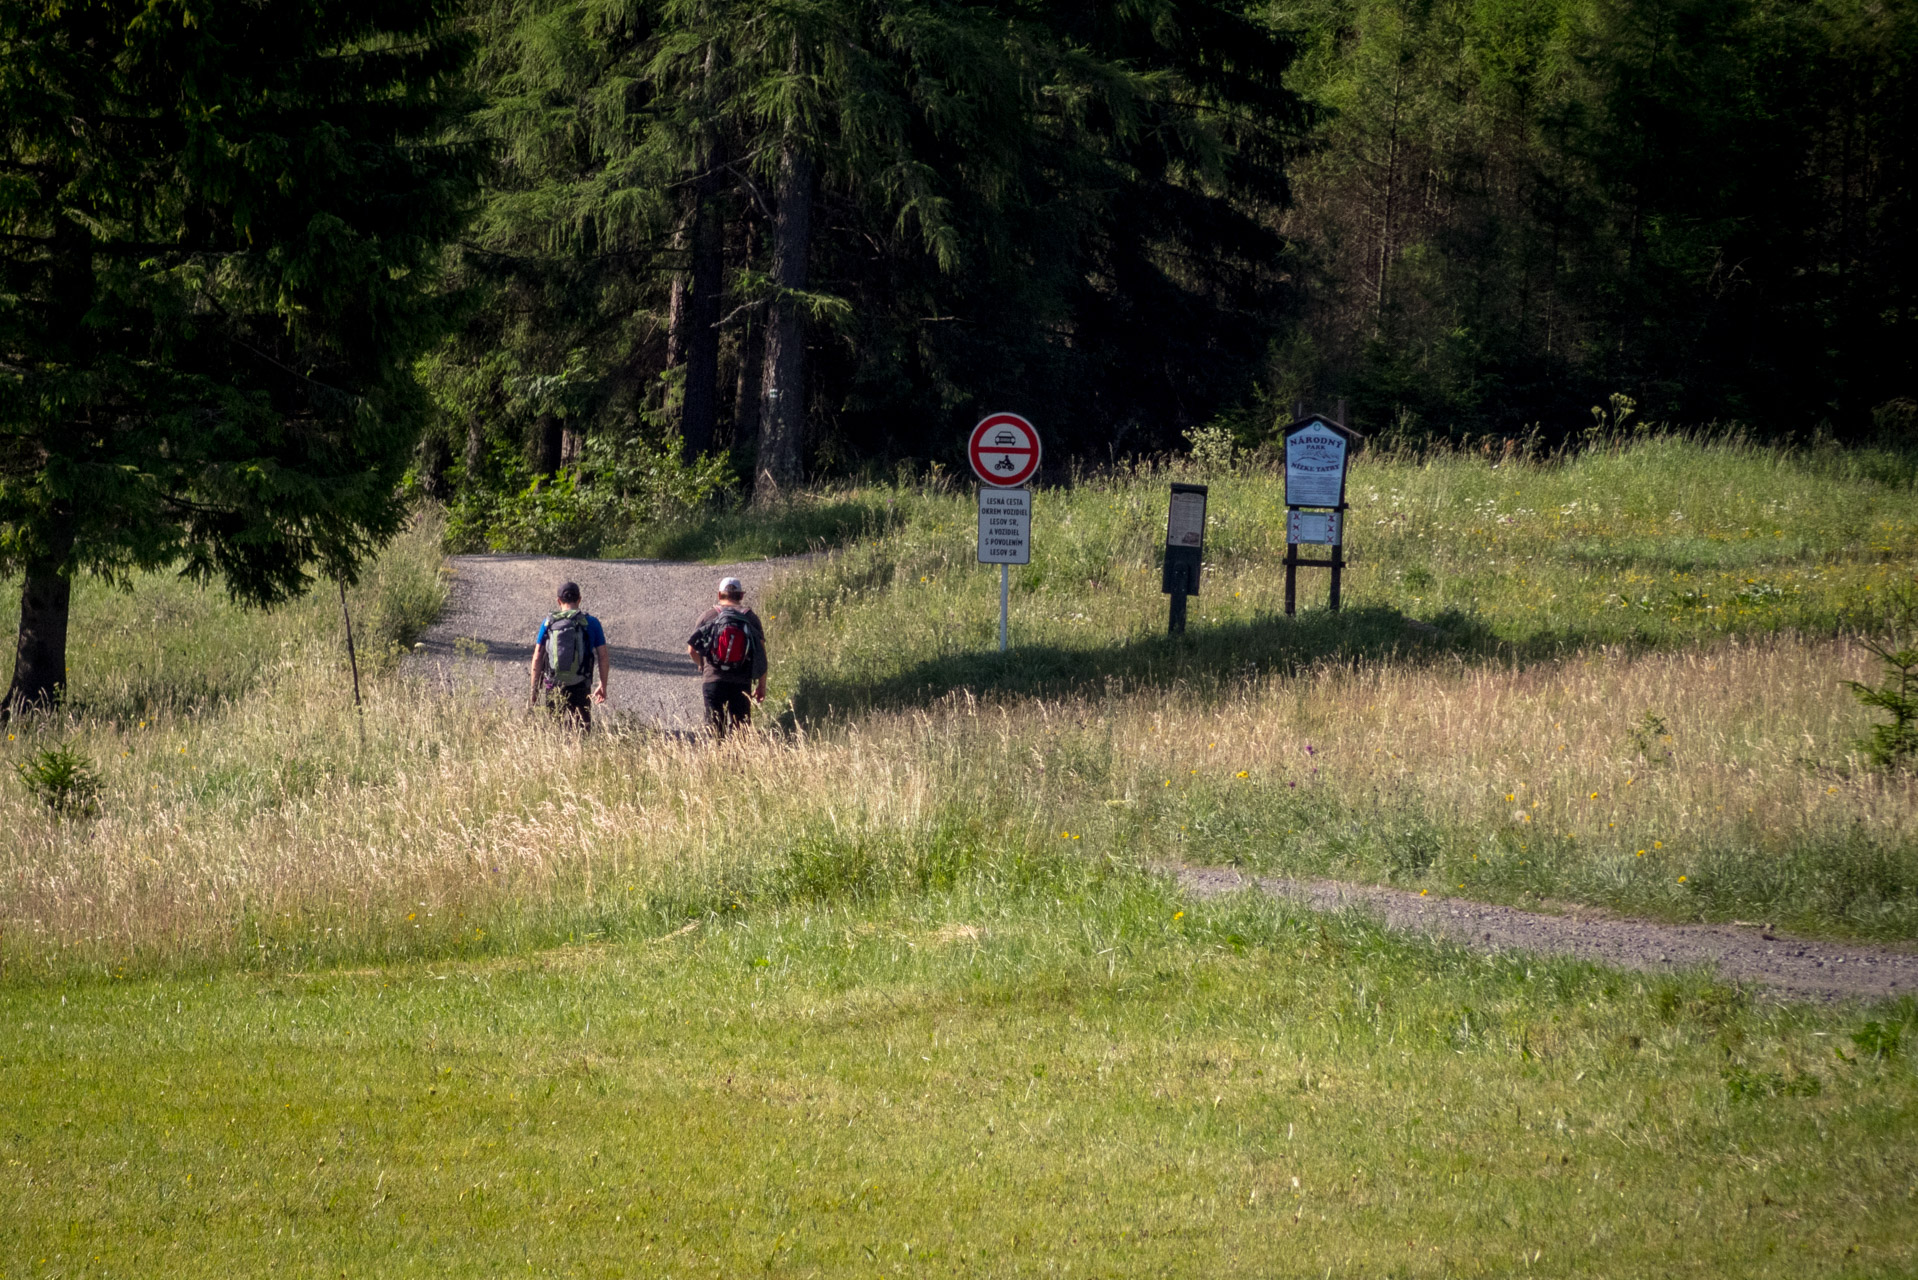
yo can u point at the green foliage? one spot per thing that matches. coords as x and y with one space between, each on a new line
1508 212
815 520
1212 450
1894 745
63 779
1069 208
621 489
210 315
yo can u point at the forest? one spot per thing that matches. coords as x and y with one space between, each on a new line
826 236
272 273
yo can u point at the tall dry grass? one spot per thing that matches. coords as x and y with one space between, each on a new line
269 834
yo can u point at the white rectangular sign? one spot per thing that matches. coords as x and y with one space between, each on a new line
1314 528
1314 467
1005 526
1185 523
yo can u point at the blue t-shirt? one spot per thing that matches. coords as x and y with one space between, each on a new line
595 634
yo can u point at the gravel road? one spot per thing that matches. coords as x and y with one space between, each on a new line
1794 967
647 607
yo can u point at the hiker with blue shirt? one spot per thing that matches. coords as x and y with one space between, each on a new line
570 643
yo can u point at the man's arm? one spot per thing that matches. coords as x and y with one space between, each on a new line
759 660
533 669
604 653
699 659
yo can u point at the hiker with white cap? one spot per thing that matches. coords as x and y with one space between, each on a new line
729 648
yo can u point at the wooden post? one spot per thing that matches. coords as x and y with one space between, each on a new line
1338 566
353 660
1291 578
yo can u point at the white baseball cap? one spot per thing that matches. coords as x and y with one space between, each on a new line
731 587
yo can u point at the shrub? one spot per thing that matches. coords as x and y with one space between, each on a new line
1891 746
620 487
62 779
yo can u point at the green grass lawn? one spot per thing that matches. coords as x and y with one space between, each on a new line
1092 1079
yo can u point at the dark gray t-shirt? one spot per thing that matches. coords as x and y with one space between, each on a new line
759 648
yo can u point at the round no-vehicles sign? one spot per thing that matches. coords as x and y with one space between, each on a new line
1004 450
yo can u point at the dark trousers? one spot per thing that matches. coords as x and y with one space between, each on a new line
573 703
727 705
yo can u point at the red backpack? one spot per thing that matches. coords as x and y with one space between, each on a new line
727 643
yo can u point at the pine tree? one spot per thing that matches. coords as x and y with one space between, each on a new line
222 224
870 217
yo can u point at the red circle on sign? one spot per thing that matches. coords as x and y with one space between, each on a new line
1004 450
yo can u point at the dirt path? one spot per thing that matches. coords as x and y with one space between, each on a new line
1793 967
648 608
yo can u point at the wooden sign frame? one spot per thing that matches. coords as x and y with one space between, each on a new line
1318 425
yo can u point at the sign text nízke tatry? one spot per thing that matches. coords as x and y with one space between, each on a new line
1315 467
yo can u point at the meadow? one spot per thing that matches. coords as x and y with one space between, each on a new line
897 986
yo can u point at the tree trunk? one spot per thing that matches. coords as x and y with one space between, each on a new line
40 655
475 457
550 441
435 457
752 350
699 402
677 312
699 394
782 415
46 594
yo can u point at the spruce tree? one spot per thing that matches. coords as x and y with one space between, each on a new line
221 227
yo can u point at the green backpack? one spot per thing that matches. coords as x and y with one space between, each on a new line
569 649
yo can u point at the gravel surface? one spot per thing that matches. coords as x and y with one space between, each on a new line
647 607
1794 967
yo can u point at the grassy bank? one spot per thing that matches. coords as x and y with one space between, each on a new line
983 1081
268 834
172 647
1662 543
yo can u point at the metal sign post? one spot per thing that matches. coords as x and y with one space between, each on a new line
1004 453
1317 453
1184 550
1005 596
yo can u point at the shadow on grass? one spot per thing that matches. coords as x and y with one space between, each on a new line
740 533
1205 661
